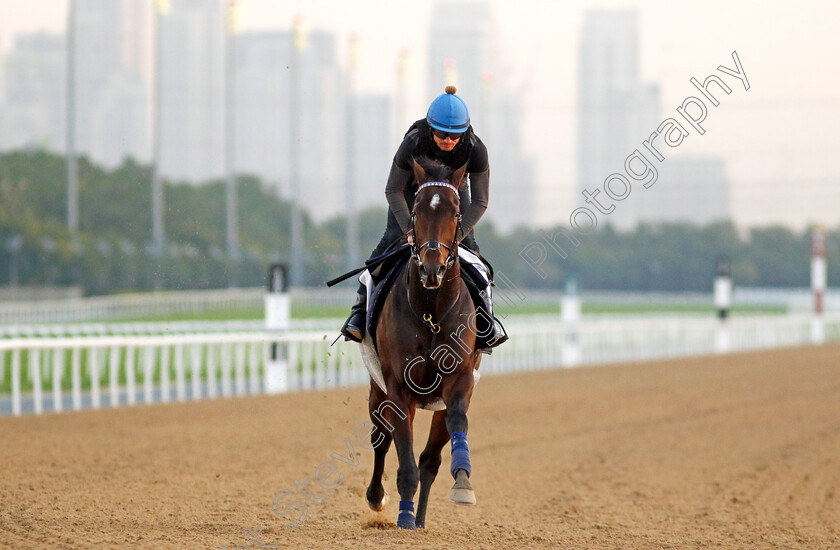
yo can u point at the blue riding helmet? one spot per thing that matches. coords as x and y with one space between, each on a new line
448 112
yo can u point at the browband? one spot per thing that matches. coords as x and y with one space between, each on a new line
437 184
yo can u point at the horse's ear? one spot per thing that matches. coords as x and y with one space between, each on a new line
458 176
419 173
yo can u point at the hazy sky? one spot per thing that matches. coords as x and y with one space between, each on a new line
779 138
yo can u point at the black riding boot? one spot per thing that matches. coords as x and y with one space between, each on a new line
498 337
498 334
354 327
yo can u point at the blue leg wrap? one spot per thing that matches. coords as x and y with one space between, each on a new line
406 518
460 454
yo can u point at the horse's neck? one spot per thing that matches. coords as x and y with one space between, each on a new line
438 301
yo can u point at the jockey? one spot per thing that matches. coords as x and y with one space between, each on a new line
444 135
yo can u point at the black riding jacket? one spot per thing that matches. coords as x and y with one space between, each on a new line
402 185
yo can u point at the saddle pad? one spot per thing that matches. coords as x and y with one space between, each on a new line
475 271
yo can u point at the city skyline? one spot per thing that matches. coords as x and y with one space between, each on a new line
615 106
775 139
338 160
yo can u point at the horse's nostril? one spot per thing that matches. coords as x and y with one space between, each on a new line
431 275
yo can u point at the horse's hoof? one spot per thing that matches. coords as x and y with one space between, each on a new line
380 506
462 492
462 497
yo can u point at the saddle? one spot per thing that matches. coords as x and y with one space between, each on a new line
476 272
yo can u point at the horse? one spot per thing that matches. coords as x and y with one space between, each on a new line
426 348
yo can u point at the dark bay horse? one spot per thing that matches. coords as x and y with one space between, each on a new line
426 348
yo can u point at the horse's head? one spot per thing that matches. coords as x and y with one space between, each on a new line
436 220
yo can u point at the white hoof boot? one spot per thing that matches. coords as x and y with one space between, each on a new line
462 492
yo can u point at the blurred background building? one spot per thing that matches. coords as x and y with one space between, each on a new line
262 76
374 151
614 107
33 108
560 94
114 57
616 111
112 119
111 100
192 100
463 50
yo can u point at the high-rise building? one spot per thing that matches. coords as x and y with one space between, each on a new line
99 48
615 109
262 98
462 46
120 120
463 51
192 83
138 37
263 136
33 108
322 126
616 112
111 96
374 153
111 100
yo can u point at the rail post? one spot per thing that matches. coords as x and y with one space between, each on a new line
277 318
723 301
570 311
818 283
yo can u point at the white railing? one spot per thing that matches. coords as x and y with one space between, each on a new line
154 328
591 342
60 373
160 304
794 299
130 305
148 369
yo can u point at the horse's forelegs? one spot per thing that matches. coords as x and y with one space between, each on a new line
430 462
407 473
381 441
456 422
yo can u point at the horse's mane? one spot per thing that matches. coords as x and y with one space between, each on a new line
435 169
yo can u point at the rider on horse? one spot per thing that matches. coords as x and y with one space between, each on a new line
444 135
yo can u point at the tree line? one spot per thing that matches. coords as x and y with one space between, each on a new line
111 251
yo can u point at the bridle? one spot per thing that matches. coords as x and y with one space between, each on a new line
452 247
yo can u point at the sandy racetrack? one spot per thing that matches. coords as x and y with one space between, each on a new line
741 451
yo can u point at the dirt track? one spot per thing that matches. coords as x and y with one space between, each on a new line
734 452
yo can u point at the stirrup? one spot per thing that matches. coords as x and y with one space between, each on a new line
500 337
500 340
352 332
355 331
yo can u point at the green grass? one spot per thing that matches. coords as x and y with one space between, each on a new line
223 315
636 308
314 312
680 308
305 312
